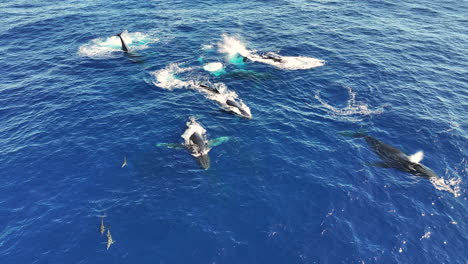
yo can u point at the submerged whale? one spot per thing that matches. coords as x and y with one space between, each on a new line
197 143
394 158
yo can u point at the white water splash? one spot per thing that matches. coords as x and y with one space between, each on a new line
108 47
233 47
452 185
426 235
353 108
194 127
452 180
207 47
166 78
213 66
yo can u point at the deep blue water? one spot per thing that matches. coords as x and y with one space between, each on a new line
286 187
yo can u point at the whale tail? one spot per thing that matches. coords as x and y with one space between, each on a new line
124 45
354 134
204 160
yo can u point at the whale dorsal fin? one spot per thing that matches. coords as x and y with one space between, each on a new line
416 157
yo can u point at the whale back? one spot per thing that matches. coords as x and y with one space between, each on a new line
198 140
385 151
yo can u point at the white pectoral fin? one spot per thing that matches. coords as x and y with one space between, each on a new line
416 157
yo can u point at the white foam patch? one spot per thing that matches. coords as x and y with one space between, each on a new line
452 185
110 46
452 179
213 66
232 46
192 127
166 78
207 47
352 109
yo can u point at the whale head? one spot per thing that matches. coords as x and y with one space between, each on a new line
420 170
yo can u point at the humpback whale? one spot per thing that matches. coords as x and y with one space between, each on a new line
229 103
394 158
124 45
233 103
196 142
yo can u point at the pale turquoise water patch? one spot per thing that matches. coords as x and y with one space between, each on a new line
218 141
170 145
237 60
219 72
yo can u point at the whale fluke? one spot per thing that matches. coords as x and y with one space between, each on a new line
124 45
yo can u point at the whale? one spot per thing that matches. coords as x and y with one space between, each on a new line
229 103
196 142
124 45
235 104
392 157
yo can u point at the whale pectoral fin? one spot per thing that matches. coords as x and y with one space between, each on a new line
380 164
354 134
416 157
171 145
217 141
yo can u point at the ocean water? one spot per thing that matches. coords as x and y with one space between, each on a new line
283 187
